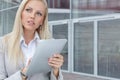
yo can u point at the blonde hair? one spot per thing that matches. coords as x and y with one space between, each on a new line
13 39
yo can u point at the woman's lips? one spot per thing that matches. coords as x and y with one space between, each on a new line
31 23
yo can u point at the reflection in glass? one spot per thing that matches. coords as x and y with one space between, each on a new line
58 16
63 4
83 47
7 20
86 8
8 3
8 10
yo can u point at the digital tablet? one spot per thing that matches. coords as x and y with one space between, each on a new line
45 49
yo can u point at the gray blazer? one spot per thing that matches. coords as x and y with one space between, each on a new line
8 71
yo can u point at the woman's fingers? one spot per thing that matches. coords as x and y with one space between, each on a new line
58 56
56 61
26 66
28 62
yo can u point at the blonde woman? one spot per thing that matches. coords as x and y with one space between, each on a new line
17 47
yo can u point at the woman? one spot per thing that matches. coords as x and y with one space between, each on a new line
17 47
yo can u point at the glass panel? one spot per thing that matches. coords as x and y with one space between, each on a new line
6 21
109 48
85 8
61 32
7 15
7 3
58 16
64 4
60 9
83 47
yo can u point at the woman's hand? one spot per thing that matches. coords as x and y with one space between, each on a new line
56 62
26 66
23 71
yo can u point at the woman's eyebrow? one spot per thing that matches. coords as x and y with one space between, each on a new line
28 7
39 11
32 8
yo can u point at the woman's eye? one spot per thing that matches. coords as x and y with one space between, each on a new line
39 14
28 10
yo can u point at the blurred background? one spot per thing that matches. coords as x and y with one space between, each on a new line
92 28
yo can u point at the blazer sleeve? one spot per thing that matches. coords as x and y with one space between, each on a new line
3 72
60 77
16 76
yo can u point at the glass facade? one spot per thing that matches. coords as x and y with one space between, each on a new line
92 30
96 37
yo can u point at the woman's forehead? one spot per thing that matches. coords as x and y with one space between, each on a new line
36 4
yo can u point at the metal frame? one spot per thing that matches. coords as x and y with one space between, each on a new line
95 48
71 38
8 8
52 10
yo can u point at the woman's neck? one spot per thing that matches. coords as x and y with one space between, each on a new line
28 36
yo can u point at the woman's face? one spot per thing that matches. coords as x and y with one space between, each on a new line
33 15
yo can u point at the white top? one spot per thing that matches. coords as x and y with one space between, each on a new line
29 50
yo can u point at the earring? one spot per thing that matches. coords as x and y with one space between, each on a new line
40 27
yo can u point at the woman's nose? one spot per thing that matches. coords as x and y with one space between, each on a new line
32 15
